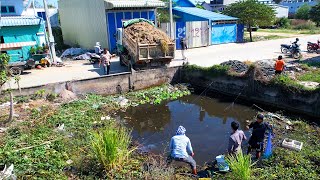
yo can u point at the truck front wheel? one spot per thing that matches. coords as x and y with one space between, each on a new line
15 71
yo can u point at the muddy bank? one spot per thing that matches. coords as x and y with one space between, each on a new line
246 87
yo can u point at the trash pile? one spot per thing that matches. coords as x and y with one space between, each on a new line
236 65
266 67
145 33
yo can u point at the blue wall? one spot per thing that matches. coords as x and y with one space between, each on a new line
223 33
21 34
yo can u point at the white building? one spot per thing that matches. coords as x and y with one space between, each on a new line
219 5
52 12
294 5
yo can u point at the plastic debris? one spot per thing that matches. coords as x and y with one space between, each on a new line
268 151
222 164
60 128
292 144
69 161
7 173
122 101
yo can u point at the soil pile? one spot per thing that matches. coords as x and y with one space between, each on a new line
145 33
236 66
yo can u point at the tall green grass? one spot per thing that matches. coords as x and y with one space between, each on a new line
111 146
240 166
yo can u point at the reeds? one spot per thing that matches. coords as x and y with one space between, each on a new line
111 146
240 166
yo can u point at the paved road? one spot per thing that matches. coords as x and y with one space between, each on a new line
206 56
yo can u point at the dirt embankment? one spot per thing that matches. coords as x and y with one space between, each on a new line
145 33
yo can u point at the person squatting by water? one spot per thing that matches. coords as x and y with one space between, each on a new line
256 140
181 149
105 60
235 139
279 65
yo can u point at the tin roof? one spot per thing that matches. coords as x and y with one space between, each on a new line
16 45
204 14
111 4
19 21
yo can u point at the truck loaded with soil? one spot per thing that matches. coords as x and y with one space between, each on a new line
141 45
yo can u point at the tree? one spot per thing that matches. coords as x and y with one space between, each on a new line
251 13
303 12
5 77
199 6
314 14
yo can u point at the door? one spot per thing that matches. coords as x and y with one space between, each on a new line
197 34
223 33
240 33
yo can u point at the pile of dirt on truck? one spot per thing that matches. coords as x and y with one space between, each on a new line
145 33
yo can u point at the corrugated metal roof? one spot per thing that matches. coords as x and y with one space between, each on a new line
204 14
19 21
15 45
111 4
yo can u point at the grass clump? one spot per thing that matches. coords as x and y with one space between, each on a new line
111 146
285 81
240 166
313 76
213 71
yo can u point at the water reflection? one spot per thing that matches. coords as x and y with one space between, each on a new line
207 122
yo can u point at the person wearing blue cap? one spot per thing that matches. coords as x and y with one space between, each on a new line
256 140
181 149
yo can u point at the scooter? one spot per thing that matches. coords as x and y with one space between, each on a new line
285 48
295 51
94 58
313 47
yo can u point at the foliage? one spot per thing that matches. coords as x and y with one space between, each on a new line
199 6
111 146
283 22
313 75
240 166
33 50
307 25
4 61
251 13
314 14
285 81
303 12
213 71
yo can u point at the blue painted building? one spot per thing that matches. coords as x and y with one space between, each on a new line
19 33
223 29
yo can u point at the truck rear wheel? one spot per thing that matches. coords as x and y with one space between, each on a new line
15 71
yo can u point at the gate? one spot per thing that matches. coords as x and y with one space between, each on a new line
223 33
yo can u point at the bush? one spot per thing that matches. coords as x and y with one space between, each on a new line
111 146
283 22
240 166
303 12
299 24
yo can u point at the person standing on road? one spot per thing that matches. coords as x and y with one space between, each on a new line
279 65
184 47
256 140
235 140
105 60
181 149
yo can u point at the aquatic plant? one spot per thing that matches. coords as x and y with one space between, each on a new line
240 165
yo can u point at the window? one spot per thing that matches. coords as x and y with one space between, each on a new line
4 9
11 9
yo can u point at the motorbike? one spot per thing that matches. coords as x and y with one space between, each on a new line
94 58
313 47
285 48
295 51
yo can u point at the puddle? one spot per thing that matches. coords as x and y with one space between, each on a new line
207 122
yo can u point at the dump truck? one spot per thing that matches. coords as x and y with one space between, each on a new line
141 45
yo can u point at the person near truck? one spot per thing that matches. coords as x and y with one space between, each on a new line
279 65
97 48
105 60
256 140
235 140
181 149
184 47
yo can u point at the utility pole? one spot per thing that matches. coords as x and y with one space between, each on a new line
51 38
171 20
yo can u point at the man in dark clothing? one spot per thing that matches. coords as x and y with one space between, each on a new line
256 140
184 47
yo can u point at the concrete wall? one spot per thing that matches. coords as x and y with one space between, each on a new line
83 22
108 84
18 4
253 91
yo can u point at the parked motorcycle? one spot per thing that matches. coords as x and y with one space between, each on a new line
313 47
285 48
295 51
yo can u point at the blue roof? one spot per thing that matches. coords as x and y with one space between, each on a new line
19 21
204 14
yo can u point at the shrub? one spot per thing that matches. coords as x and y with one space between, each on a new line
111 146
240 166
299 24
283 22
303 12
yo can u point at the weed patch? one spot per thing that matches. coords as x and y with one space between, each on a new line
213 71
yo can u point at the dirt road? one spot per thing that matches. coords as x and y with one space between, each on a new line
206 56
